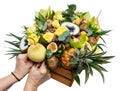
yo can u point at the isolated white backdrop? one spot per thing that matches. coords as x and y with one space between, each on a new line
16 13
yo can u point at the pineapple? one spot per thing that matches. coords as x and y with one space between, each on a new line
87 60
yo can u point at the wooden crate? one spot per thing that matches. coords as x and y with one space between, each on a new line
63 75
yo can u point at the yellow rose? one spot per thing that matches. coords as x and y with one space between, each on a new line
60 30
77 21
31 29
55 24
33 38
58 16
48 36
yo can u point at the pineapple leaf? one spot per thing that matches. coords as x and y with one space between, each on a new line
103 69
13 52
99 61
12 35
12 43
107 57
96 67
98 55
77 79
91 71
86 75
91 52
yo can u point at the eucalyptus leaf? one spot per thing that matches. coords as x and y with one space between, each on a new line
48 53
44 27
89 32
65 37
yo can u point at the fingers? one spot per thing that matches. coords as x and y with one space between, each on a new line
22 57
43 68
38 65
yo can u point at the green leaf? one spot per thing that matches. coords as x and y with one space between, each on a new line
43 41
99 46
13 35
68 14
96 67
87 16
72 7
44 27
92 52
40 18
91 71
49 53
89 32
103 40
77 79
88 60
49 13
103 69
86 74
103 32
98 54
65 37
12 43
99 61
107 57
42 11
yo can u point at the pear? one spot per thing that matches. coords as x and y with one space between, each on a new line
36 52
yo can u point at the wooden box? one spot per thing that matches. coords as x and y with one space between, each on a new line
63 75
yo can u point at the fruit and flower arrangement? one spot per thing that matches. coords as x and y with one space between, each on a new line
68 42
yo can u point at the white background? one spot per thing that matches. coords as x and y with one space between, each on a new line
16 13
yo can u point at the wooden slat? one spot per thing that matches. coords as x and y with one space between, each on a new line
62 75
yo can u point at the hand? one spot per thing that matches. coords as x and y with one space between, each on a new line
37 74
23 65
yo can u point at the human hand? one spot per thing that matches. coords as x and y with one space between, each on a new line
23 65
37 74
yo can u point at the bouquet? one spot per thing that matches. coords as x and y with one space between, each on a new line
68 42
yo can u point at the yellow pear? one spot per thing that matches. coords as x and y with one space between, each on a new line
36 52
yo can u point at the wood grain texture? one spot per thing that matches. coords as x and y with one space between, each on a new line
63 75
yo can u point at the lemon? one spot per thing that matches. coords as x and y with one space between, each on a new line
48 36
53 47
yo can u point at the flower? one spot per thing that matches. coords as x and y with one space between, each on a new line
33 38
60 30
31 30
58 16
55 24
48 36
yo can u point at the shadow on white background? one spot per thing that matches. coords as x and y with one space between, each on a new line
14 14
